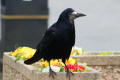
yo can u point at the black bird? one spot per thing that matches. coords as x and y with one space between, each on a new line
58 40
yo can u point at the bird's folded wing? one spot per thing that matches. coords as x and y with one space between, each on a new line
46 41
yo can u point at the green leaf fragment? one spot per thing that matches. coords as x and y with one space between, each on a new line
77 52
10 54
22 58
82 50
18 57
43 65
105 53
62 69
76 62
37 69
85 70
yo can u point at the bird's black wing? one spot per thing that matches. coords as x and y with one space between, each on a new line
46 41
48 38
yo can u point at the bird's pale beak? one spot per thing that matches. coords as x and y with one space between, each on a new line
80 15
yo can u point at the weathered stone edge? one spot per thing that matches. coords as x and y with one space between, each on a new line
27 70
99 59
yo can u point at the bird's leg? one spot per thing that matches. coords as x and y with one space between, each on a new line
52 73
69 73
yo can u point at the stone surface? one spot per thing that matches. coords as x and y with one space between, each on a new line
109 72
99 59
108 65
20 71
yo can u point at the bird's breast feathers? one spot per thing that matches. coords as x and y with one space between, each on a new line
65 37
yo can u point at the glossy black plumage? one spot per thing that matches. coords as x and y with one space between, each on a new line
58 39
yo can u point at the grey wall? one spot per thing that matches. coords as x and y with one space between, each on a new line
100 30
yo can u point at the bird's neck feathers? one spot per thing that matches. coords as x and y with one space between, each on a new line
66 20
71 21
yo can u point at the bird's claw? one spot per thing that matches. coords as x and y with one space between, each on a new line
52 74
69 73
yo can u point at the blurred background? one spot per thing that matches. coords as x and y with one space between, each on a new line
100 29
23 22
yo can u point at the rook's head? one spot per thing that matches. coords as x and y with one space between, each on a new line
70 14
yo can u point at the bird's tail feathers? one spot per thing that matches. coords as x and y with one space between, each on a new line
32 60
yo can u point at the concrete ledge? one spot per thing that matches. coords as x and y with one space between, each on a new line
109 65
99 59
20 71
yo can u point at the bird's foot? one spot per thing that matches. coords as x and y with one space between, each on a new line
52 74
69 73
